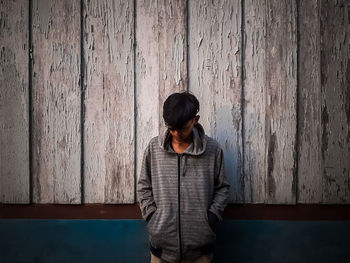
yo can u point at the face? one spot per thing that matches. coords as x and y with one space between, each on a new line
185 132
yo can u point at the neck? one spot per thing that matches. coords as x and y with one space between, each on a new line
181 142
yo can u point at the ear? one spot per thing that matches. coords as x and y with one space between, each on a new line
196 119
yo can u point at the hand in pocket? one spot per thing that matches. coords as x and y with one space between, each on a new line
150 216
212 220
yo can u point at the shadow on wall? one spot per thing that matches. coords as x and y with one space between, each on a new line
227 132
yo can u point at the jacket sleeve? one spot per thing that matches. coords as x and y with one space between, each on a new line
221 187
144 186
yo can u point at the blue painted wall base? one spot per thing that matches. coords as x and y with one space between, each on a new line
34 240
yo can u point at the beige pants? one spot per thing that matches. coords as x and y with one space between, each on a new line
202 259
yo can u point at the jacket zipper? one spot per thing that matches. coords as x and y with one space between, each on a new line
178 195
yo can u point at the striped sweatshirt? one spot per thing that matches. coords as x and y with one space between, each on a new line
178 190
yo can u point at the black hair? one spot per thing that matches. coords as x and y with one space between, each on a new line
179 108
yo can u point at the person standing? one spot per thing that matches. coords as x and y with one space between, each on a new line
182 189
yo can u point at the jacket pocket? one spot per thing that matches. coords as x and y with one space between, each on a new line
196 231
151 220
155 228
207 222
212 220
163 229
150 216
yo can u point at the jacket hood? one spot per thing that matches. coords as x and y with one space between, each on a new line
197 147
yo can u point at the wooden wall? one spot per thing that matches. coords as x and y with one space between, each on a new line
83 84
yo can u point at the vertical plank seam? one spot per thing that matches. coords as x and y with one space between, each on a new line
297 133
135 108
82 100
187 47
159 48
319 6
243 42
266 150
30 99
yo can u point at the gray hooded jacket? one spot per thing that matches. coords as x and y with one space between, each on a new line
179 190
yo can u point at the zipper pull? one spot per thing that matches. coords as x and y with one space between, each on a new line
184 165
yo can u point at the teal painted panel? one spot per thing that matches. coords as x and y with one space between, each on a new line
23 240
270 241
126 241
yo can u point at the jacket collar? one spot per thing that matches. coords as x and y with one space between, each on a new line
197 147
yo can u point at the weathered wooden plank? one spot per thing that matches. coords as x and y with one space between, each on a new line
254 101
56 102
281 84
14 100
309 106
172 51
335 89
215 78
147 76
109 101
161 67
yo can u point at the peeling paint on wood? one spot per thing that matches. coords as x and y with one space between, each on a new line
147 76
14 100
281 84
215 61
254 101
56 102
109 101
160 64
309 107
172 51
335 94
215 78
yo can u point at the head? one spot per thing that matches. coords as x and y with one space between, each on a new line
180 114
